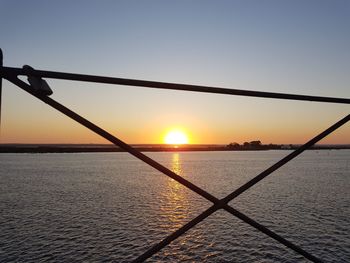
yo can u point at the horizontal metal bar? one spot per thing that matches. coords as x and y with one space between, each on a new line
171 86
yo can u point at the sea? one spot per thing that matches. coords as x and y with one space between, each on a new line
111 207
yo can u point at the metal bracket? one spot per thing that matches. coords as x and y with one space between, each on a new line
37 83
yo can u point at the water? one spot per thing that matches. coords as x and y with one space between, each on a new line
110 207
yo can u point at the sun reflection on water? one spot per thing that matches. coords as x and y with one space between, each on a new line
175 203
176 208
175 164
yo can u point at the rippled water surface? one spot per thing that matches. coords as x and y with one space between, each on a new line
97 207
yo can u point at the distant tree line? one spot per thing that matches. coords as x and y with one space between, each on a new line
253 145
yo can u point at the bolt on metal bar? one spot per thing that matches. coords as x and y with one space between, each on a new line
171 86
225 206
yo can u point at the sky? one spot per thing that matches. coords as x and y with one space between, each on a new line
300 47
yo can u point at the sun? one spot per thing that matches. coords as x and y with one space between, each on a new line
176 137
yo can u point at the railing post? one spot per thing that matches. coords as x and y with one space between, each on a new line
1 64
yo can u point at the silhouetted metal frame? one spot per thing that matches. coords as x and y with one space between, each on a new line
11 74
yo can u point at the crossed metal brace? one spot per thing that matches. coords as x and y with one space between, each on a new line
11 74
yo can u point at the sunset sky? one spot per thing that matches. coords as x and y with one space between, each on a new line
300 47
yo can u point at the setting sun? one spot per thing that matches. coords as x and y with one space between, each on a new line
176 137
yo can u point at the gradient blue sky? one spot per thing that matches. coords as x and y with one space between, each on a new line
280 46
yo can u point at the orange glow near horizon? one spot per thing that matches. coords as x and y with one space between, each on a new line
176 137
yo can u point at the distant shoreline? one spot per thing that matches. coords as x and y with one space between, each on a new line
85 148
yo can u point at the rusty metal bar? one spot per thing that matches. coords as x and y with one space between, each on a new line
170 86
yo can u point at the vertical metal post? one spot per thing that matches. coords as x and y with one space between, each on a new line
1 63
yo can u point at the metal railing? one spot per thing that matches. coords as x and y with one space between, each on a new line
37 89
